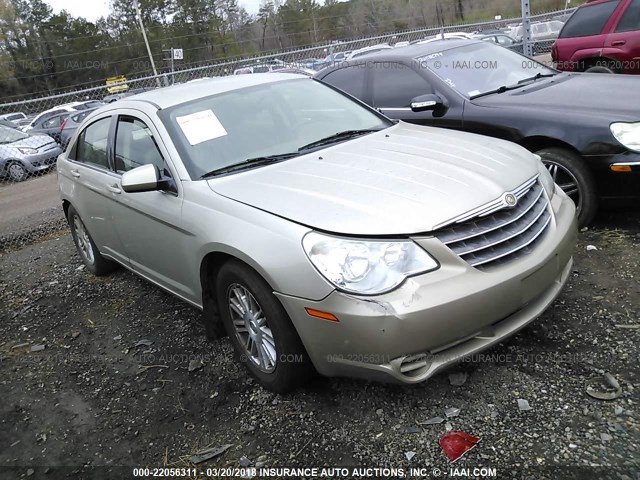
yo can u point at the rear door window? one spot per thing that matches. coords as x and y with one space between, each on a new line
630 19
589 20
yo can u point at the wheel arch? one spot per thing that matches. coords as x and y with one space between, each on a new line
209 268
592 61
538 142
65 207
9 161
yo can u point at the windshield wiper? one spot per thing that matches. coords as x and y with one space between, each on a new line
505 88
535 77
338 137
250 163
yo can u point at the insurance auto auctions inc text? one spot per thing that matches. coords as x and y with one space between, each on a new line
373 472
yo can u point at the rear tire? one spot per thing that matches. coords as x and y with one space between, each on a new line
89 254
260 330
574 178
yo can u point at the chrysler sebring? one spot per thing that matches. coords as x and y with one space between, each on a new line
314 231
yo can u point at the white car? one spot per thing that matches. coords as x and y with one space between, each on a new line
445 36
67 107
368 50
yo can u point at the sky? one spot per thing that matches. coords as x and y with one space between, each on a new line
94 9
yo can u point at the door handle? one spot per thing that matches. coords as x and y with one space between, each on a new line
75 173
114 188
617 43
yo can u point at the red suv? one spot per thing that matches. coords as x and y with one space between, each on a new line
601 36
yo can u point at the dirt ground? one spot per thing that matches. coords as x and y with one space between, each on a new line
112 389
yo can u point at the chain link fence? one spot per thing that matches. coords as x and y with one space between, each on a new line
34 132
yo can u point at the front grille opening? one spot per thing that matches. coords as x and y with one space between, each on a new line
504 235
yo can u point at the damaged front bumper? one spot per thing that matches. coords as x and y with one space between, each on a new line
437 318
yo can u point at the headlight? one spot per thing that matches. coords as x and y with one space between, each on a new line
27 150
546 179
366 267
628 134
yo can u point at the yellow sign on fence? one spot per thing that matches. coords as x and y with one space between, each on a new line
117 84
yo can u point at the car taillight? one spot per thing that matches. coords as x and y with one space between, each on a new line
63 124
554 52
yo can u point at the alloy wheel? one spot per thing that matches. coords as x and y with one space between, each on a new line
16 172
566 180
83 241
252 328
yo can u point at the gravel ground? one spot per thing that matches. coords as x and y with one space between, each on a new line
100 400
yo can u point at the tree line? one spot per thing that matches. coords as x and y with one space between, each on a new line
42 52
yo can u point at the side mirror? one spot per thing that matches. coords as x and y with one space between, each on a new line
427 102
141 179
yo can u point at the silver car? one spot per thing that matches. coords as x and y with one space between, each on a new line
320 235
22 154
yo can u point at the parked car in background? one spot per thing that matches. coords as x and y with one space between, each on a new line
25 121
261 67
585 130
503 40
320 234
22 154
543 34
13 117
442 36
540 31
8 123
602 36
337 57
366 50
51 126
54 112
70 125
309 63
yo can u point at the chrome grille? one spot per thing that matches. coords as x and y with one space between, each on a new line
497 233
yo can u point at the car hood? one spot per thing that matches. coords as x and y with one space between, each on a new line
611 97
34 141
403 180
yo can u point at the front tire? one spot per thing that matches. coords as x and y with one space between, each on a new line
260 330
91 257
574 178
599 69
17 172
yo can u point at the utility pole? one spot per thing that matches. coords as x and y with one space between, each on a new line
527 44
146 42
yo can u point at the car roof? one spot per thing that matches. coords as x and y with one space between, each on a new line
412 52
177 94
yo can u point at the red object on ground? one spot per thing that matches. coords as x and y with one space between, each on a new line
456 444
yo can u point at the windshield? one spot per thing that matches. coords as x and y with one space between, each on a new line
10 135
482 67
275 118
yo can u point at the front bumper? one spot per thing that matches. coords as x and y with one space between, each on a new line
41 161
617 184
437 318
